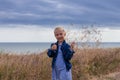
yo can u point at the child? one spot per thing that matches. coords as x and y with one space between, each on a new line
61 52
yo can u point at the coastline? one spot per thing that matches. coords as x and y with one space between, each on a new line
34 47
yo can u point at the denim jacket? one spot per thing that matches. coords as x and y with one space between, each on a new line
67 54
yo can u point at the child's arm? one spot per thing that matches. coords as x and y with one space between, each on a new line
72 45
52 51
68 52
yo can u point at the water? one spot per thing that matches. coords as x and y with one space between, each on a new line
38 47
24 47
110 45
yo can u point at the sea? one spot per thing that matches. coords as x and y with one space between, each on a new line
37 47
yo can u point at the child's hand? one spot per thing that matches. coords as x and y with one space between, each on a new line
54 47
72 45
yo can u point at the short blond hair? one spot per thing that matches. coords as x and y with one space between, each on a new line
59 28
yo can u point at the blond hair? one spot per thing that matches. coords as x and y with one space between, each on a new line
59 28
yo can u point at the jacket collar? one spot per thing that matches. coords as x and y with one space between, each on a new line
64 42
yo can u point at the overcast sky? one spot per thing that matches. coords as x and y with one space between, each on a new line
23 20
59 11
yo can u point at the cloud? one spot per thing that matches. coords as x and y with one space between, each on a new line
111 35
37 33
59 12
30 33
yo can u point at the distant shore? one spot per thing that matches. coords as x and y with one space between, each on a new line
35 47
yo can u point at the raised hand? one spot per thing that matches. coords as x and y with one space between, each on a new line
72 45
54 47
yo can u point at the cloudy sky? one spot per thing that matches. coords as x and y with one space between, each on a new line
29 20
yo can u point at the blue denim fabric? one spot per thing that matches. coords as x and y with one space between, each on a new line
67 54
61 66
61 74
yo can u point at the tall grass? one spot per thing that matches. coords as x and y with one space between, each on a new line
87 63
84 35
24 67
95 62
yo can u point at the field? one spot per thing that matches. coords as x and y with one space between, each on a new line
88 64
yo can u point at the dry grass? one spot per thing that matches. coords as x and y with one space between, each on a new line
95 62
88 64
24 67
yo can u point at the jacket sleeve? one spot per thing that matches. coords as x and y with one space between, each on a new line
68 53
51 53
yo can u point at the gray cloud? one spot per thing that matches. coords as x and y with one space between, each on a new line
59 12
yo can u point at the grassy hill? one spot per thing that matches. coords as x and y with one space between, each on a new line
88 64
